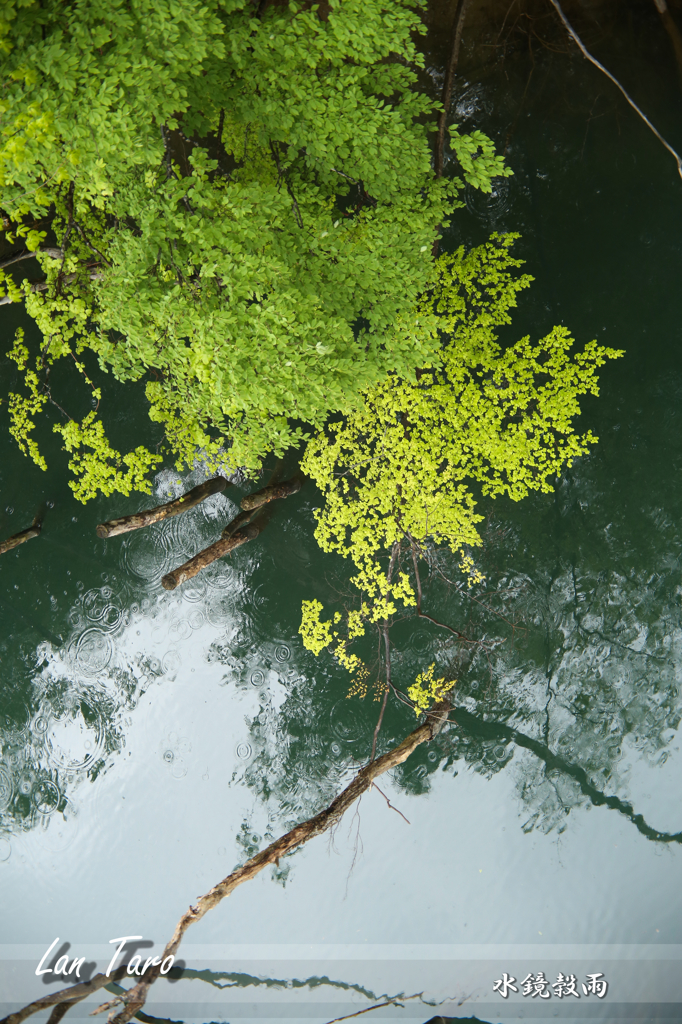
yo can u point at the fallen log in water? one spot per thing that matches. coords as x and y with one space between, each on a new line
270 493
238 523
155 515
222 547
20 538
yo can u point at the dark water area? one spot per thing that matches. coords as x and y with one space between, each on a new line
150 741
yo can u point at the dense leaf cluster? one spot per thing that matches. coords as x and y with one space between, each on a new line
244 201
400 470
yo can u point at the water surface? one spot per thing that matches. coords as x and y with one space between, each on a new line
152 740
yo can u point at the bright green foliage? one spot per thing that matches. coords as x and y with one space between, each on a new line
427 690
476 155
22 408
101 468
400 469
245 203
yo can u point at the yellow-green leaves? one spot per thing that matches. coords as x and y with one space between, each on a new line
19 352
426 690
246 206
476 155
102 468
401 467
24 408
316 633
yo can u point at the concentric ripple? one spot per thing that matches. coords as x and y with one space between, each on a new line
74 742
94 651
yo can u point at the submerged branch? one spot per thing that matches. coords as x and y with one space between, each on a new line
239 522
172 508
21 538
135 998
390 805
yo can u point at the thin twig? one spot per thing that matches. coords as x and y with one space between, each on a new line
423 615
578 41
90 244
79 366
381 716
283 177
395 550
390 804
444 625
134 999
344 175
398 1001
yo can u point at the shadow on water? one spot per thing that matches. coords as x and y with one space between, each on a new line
237 981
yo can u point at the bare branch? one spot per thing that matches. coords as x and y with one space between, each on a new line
70 995
423 615
389 802
396 1001
135 998
395 551
458 26
283 177
578 41
28 254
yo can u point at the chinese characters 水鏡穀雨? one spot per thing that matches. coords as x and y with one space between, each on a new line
566 985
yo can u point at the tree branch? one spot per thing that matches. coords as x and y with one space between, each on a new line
135 998
283 177
387 648
423 615
70 995
578 41
42 286
28 254
458 25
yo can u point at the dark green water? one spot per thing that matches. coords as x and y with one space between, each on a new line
152 740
